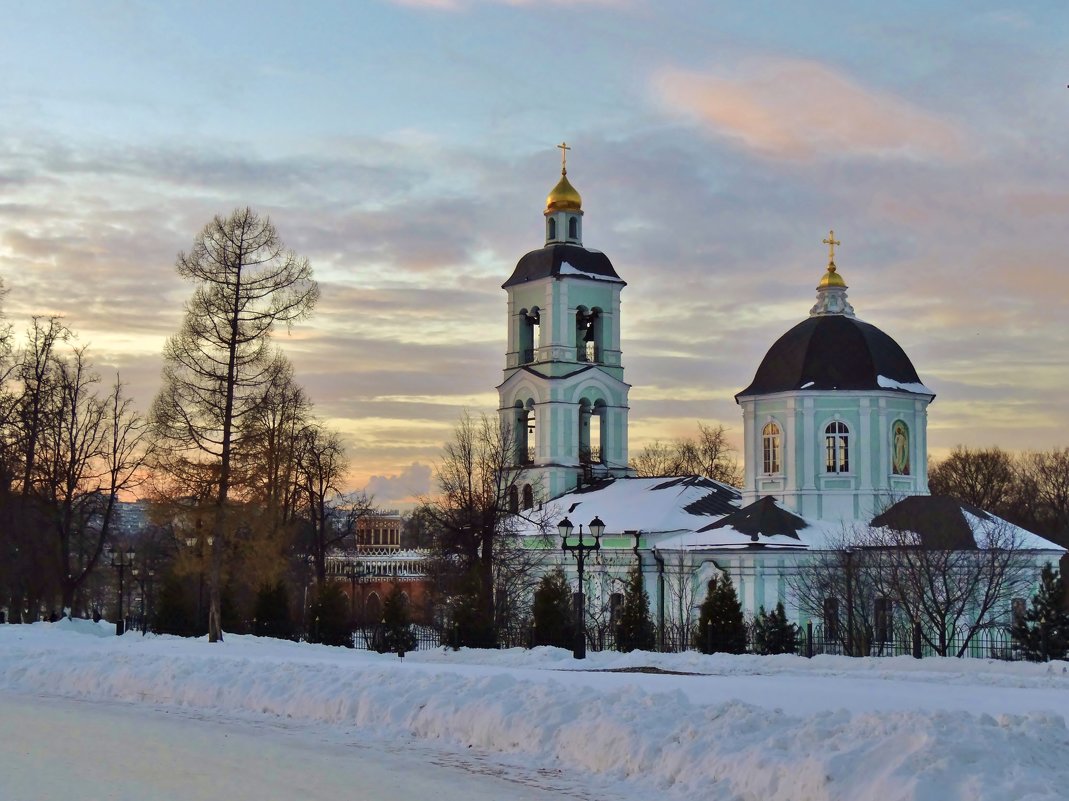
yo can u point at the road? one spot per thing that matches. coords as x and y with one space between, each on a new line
54 749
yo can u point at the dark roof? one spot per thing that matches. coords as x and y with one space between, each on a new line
831 351
764 518
546 262
938 521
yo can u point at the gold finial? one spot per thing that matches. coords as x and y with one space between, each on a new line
831 277
563 157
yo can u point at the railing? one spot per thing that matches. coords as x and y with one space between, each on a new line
590 455
423 638
586 352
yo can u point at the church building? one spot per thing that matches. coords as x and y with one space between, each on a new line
834 429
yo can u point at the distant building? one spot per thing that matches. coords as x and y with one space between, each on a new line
379 531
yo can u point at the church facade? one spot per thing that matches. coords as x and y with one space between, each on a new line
834 429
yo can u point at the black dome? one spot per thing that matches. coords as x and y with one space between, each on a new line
832 351
547 261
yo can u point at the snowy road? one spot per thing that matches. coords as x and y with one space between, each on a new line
54 749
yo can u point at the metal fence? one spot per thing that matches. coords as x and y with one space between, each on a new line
424 638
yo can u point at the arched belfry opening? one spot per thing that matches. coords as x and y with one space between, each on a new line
523 432
591 431
588 334
529 322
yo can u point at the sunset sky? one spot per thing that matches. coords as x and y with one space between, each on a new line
406 148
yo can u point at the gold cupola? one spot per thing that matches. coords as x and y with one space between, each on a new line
563 197
564 208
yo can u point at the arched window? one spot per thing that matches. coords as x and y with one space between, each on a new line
528 497
373 607
551 232
573 227
771 448
514 499
837 447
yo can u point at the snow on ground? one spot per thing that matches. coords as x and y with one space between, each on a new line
762 728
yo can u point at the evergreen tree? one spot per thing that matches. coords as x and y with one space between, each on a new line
773 634
396 635
554 619
272 611
174 613
1042 633
634 631
328 619
720 624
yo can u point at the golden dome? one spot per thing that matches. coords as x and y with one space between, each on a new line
563 197
831 278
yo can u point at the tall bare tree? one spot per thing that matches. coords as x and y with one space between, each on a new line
475 531
216 366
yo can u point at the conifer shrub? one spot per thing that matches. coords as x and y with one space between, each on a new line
773 634
1042 633
634 630
396 635
174 612
271 614
721 628
328 617
553 618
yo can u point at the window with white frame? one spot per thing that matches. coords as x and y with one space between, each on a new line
837 447
771 445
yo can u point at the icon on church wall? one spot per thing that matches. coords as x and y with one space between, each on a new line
900 448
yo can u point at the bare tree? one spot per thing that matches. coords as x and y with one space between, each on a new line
216 366
1045 492
475 532
709 454
952 591
839 586
984 477
321 466
681 592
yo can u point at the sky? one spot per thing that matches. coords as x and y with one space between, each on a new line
406 148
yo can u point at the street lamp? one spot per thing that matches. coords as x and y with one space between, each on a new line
579 551
121 560
196 544
356 571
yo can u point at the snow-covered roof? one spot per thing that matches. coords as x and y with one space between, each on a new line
937 522
650 505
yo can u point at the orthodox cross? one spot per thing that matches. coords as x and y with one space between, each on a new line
564 157
831 242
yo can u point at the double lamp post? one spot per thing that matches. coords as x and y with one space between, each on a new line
579 550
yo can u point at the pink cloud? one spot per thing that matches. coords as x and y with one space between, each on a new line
801 110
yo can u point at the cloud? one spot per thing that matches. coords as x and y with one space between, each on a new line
800 110
412 482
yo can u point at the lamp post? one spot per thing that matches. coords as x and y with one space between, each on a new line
355 572
121 560
196 544
579 550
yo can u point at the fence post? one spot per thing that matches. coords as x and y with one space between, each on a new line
809 639
917 640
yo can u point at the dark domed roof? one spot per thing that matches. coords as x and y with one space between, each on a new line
576 260
834 351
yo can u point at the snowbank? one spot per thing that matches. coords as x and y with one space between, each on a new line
686 735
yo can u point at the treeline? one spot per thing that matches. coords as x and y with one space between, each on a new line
242 476
1029 489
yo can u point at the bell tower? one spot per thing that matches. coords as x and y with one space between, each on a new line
563 397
